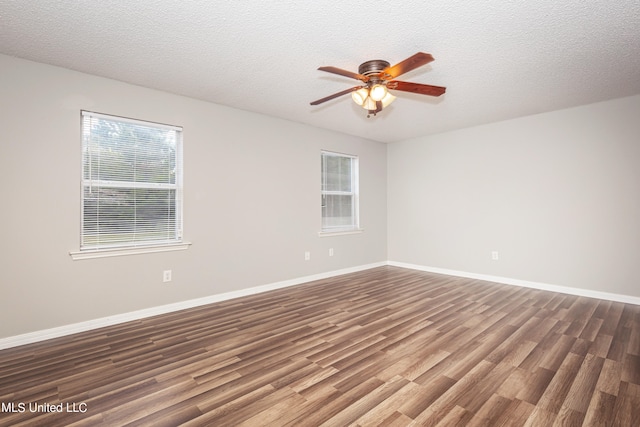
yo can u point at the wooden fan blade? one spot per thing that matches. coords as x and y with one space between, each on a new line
416 88
345 73
411 63
335 95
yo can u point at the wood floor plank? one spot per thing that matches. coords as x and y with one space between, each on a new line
626 406
366 403
600 410
445 403
388 407
558 388
535 386
396 419
427 395
386 346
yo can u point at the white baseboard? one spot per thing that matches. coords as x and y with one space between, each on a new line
627 299
60 331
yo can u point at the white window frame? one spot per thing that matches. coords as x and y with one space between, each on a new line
354 227
134 246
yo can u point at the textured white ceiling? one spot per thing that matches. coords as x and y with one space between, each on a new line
498 59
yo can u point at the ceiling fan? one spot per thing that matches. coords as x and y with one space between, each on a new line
378 77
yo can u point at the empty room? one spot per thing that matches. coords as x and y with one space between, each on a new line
322 214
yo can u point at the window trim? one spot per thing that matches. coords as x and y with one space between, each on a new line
133 248
339 233
120 251
355 193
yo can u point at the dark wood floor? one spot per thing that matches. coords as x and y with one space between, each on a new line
386 346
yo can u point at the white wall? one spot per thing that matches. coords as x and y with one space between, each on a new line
557 194
251 201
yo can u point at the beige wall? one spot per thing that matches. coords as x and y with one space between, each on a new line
557 194
251 201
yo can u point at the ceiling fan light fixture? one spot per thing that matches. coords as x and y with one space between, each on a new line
360 96
378 92
377 78
369 104
388 99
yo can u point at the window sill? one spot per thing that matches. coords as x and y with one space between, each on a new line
105 253
339 232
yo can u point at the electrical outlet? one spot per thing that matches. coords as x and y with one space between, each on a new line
307 256
330 251
495 256
166 276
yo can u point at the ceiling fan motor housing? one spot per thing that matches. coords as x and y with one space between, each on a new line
372 69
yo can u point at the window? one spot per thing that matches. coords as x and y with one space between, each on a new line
339 189
131 183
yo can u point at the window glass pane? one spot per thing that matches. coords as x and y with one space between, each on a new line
337 211
131 183
339 190
337 173
120 151
119 215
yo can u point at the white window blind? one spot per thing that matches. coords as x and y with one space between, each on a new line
339 190
131 183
